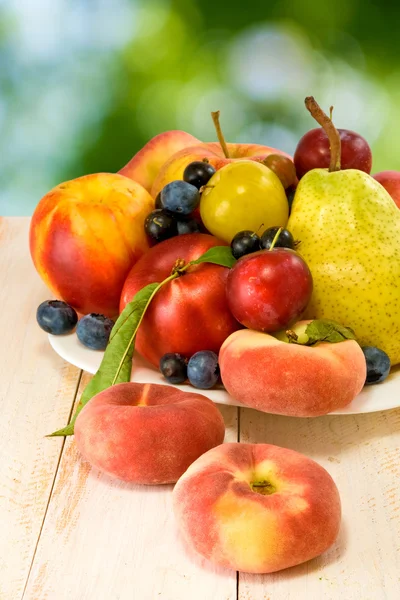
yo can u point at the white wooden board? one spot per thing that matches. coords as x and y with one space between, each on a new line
36 394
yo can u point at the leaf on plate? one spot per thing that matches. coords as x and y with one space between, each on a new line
116 366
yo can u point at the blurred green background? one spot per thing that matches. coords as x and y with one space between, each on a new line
85 83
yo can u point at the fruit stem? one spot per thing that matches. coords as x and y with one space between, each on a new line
263 487
278 233
333 135
179 267
220 135
292 336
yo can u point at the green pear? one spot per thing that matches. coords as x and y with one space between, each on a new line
349 232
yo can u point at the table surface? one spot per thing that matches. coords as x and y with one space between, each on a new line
69 532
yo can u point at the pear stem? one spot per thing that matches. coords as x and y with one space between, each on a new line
220 135
278 233
333 135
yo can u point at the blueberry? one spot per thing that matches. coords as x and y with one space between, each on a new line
56 317
160 225
203 369
198 173
180 197
187 226
174 367
94 330
378 364
285 239
245 242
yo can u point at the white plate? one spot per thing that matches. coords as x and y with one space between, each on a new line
373 398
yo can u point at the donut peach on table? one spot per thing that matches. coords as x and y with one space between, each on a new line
147 433
257 508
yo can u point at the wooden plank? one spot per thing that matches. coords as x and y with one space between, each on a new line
105 539
362 455
36 392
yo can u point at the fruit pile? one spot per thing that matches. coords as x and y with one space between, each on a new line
234 265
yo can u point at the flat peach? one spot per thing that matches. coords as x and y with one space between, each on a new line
147 433
257 508
289 379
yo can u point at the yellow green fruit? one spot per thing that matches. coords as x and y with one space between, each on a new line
349 232
243 195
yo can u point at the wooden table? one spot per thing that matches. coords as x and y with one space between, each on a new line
68 532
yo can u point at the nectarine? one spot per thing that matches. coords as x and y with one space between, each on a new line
86 234
189 313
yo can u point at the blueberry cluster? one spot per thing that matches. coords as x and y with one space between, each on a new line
175 204
58 318
202 369
247 242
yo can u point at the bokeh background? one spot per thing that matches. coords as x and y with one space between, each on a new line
85 83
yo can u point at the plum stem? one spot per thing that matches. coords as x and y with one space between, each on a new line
262 225
278 233
326 123
220 135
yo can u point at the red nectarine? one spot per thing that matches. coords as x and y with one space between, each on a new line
189 313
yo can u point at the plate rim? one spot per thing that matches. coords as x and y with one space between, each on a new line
60 349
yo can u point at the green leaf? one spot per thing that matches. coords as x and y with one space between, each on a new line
116 366
219 255
324 330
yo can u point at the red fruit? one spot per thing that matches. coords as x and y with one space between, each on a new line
313 152
268 290
391 182
189 313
